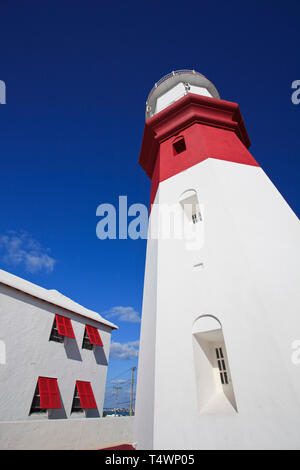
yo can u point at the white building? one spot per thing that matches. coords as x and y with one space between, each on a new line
220 315
53 354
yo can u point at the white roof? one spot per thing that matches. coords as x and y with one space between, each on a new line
52 296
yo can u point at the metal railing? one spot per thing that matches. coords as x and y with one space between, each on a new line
169 75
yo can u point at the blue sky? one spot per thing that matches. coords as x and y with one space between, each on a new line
77 76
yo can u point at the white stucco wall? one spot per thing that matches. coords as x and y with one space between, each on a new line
25 327
77 434
248 278
145 395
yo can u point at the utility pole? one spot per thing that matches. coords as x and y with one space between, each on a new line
116 401
131 395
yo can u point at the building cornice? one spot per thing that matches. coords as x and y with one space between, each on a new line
188 110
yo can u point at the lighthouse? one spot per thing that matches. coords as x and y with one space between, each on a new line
221 309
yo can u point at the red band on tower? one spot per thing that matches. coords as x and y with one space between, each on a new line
210 128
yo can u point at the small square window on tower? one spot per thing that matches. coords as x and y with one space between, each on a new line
179 145
46 395
91 337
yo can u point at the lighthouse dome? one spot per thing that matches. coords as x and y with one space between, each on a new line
174 86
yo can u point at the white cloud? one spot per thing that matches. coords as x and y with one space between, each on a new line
123 314
119 381
19 248
128 350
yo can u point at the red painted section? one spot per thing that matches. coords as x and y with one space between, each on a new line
202 142
64 326
86 395
49 393
120 447
94 335
211 128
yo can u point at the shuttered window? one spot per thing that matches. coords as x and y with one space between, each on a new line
86 396
94 336
64 326
49 393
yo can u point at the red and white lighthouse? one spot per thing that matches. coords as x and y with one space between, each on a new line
219 321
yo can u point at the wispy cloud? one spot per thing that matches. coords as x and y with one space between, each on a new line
128 350
119 381
123 314
19 248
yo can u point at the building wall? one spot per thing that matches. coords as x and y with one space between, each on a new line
64 434
246 275
25 327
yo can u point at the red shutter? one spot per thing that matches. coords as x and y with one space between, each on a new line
85 392
94 335
64 326
49 393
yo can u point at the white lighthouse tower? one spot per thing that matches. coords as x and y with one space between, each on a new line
221 319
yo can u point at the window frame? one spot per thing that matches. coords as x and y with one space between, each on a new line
36 403
76 398
61 328
86 343
54 335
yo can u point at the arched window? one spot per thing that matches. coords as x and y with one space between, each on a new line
193 227
190 205
213 379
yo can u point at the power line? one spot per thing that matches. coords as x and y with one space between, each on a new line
122 373
120 382
113 390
